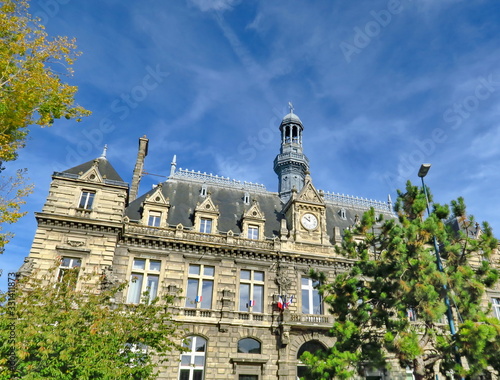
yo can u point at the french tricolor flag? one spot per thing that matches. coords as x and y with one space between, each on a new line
281 306
198 298
251 303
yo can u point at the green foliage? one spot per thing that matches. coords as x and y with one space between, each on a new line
63 331
394 274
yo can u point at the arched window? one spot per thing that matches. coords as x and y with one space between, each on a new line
312 346
192 365
249 346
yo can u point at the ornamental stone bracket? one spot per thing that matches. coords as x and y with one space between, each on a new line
284 332
247 361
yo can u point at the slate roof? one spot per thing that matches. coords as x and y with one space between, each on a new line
184 195
104 166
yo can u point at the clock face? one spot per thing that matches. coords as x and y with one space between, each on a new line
309 221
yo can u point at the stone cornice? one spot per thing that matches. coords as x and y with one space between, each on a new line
185 241
63 221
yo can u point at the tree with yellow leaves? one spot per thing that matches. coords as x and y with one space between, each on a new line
32 92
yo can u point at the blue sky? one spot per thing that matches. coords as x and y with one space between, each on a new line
381 86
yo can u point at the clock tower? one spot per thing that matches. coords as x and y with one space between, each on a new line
305 213
291 165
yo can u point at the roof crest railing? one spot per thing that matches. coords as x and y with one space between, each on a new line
352 201
216 180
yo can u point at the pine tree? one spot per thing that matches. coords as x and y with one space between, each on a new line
390 305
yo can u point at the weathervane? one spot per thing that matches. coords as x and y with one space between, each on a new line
291 107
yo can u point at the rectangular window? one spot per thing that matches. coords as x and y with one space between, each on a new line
206 225
192 363
311 300
253 232
144 280
67 264
154 218
496 307
251 291
86 200
200 286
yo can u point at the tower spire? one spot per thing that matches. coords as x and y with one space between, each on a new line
173 164
103 155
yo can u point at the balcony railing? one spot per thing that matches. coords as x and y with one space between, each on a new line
181 234
251 317
199 313
311 319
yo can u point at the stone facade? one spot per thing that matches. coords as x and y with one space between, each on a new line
233 250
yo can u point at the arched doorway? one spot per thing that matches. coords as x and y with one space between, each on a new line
311 346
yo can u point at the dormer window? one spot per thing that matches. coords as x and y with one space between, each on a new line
203 191
253 222
206 225
253 232
154 219
86 200
342 213
246 198
155 208
206 216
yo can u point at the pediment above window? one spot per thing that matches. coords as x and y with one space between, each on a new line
310 194
253 222
92 175
207 207
155 209
157 197
254 212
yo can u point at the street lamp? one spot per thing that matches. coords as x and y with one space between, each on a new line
424 169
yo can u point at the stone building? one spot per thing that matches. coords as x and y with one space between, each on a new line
238 253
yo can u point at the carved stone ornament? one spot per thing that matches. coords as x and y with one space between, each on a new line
26 268
283 280
309 195
108 278
76 243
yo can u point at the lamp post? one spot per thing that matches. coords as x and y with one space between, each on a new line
424 169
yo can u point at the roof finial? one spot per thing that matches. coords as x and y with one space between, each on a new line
103 155
291 107
173 164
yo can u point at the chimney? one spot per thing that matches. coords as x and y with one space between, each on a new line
139 167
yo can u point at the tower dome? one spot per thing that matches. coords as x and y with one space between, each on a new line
291 118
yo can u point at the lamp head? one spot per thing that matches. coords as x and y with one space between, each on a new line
424 169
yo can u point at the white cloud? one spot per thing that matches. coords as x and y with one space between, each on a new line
214 5
486 145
